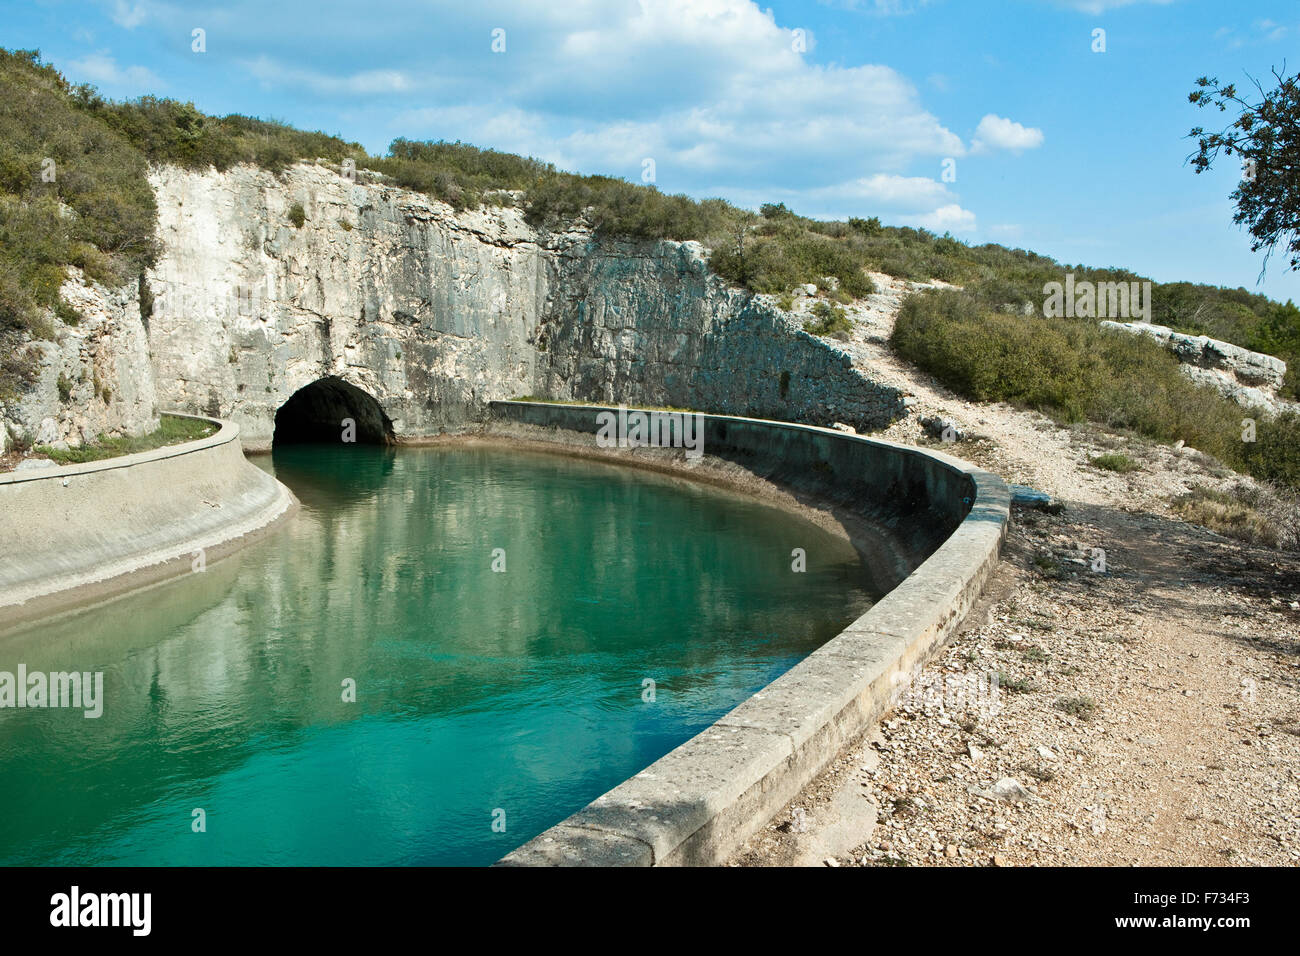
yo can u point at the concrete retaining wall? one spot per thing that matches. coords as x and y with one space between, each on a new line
698 803
78 533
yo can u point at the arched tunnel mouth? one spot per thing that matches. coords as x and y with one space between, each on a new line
330 410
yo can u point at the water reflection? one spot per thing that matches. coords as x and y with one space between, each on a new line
476 689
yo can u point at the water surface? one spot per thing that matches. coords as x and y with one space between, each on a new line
482 696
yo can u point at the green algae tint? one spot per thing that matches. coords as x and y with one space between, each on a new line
512 697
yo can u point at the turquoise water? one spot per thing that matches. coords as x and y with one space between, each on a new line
482 697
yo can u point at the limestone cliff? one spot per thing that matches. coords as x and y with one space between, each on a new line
268 283
95 378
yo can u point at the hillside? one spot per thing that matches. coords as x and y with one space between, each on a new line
74 191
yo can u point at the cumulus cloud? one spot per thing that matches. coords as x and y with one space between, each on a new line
950 218
890 190
365 81
102 70
996 132
717 92
129 16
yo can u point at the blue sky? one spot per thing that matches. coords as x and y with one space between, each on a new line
837 108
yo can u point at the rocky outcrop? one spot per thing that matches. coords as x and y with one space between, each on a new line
269 283
662 329
1249 378
93 379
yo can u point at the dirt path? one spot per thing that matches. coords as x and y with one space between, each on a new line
1147 708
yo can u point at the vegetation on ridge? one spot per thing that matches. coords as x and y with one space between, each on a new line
987 339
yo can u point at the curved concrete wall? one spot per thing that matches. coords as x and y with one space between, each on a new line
82 532
698 803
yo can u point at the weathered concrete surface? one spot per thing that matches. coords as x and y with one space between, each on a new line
699 802
83 532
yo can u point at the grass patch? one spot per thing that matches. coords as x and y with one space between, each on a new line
1264 516
172 430
827 320
1048 567
1085 708
1115 461
1016 685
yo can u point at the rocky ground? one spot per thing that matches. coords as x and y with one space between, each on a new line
1127 691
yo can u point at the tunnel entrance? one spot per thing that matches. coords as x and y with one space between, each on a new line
318 413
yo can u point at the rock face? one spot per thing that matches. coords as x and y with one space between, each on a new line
661 329
1249 378
94 379
434 313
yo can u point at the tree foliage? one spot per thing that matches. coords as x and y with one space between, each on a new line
1266 136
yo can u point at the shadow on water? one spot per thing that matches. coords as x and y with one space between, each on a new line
324 475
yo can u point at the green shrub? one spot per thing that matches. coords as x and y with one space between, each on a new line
297 215
1115 461
1085 708
827 320
1075 371
72 192
66 313
1238 513
146 300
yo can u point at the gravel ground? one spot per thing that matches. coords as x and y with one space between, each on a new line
1127 691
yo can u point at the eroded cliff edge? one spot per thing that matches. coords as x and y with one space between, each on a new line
431 311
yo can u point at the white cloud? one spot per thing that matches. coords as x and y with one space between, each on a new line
711 89
102 70
950 218
715 91
996 132
889 190
129 16
364 82
1271 29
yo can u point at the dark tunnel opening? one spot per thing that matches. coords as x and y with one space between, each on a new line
332 411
